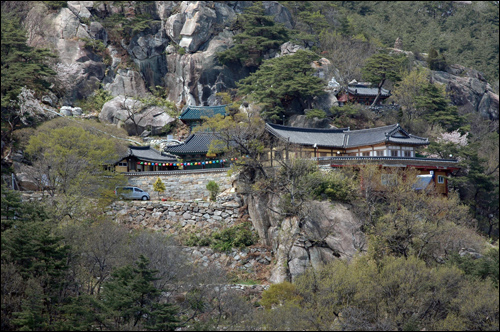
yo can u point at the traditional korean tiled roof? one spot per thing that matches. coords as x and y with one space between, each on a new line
196 112
360 90
390 134
147 153
308 136
345 138
198 143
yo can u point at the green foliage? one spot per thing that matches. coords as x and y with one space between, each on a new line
280 81
158 100
129 21
315 113
482 268
404 94
237 135
132 296
22 66
213 188
37 263
465 34
159 186
259 35
279 294
476 183
333 185
56 5
237 236
95 101
70 159
381 67
392 294
436 61
351 115
436 109
415 223
95 45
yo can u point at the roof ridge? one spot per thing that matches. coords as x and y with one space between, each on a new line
289 128
376 128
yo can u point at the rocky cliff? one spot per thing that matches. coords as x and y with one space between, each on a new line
331 232
177 51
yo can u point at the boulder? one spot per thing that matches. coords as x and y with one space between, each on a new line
303 121
66 111
280 13
79 8
127 82
76 111
26 183
134 116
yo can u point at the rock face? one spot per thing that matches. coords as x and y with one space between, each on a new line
331 232
468 88
303 121
178 52
132 114
191 76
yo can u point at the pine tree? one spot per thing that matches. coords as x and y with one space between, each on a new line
22 65
259 35
280 81
379 68
132 297
436 108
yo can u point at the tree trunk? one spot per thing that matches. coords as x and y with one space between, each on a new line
379 92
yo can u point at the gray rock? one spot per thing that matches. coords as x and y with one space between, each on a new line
79 8
127 82
469 90
66 111
133 116
97 31
76 111
279 12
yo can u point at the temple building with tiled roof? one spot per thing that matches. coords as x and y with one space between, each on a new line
363 93
387 146
195 149
191 115
145 159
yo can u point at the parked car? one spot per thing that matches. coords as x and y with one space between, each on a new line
131 193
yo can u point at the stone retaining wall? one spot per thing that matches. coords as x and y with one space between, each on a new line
182 187
201 218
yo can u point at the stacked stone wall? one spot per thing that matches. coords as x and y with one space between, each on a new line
180 219
182 187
